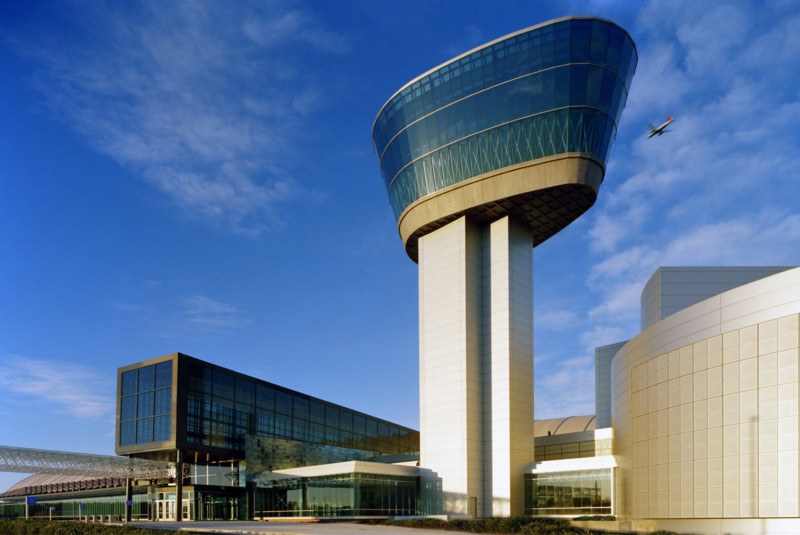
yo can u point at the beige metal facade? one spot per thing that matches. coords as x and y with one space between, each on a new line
705 413
476 366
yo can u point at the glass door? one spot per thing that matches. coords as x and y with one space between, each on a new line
165 506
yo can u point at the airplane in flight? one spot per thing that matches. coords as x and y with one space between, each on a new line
658 130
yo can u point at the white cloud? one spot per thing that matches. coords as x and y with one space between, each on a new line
721 188
68 389
566 390
198 99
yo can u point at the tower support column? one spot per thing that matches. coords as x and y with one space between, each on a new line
476 365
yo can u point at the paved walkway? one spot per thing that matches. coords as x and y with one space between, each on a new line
290 528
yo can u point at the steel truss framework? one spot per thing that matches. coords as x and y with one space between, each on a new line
35 461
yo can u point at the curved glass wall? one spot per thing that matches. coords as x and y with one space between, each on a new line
549 90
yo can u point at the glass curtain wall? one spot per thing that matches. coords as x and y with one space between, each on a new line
554 89
586 492
222 408
146 404
339 495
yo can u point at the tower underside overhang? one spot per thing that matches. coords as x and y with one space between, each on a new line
546 195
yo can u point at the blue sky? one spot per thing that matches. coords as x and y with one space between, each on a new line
198 177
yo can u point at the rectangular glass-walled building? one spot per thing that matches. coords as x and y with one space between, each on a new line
179 403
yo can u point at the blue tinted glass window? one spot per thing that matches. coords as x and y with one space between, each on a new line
129 380
161 429
599 42
581 40
146 378
163 374
144 404
607 90
127 409
163 401
144 430
547 46
127 433
615 40
577 84
593 84
561 86
561 44
625 59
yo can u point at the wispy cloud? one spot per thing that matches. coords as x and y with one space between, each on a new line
198 99
471 37
74 389
556 319
204 313
721 188
566 390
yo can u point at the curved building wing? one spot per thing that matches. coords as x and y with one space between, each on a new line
521 126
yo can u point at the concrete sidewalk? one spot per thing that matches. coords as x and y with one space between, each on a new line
289 528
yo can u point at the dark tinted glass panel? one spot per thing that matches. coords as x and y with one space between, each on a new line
223 384
346 420
146 378
359 425
283 402
317 412
265 397
301 408
164 374
300 429
372 428
245 391
331 416
129 380
283 425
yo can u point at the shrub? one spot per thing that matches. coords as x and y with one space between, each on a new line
20 526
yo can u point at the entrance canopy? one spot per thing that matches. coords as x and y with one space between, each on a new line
26 460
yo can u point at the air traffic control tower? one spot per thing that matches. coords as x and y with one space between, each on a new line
484 157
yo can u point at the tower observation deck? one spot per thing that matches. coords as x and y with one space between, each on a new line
521 126
485 157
